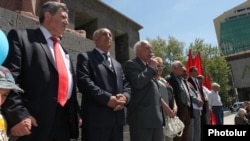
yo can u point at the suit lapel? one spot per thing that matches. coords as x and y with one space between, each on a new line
100 58
44 45
140 63
105 63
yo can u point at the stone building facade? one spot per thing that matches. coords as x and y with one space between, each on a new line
85 17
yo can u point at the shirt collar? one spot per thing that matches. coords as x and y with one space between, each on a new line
101 52
45 32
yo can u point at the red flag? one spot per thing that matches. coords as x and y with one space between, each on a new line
207 81
197 63
212 118
190 61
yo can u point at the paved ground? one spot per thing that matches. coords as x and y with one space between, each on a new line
229 120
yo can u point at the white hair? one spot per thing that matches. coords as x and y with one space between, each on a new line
139 44
215 84
242 112
175 64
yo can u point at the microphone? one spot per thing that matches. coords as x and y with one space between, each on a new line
153 63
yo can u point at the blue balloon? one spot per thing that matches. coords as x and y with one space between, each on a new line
4 47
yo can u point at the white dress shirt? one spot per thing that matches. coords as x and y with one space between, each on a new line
214 99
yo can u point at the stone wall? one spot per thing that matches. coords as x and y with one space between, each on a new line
85 17
73 41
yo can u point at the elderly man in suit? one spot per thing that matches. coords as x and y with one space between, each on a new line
104 89
47 110
145 117
183 98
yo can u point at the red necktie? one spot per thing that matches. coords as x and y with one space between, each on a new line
62 73
200 90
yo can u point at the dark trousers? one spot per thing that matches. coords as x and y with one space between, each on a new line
59 132
146 134
102 134
218 111
205 118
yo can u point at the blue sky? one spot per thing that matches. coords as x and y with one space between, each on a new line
185 20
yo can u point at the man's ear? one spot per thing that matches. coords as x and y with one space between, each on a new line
47 15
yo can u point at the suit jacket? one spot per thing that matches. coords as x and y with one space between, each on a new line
144 109
97 82
172 79
193 83
205 105
34 69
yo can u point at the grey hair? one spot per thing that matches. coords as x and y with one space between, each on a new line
175 64
138 44
242 112
97 32
51 7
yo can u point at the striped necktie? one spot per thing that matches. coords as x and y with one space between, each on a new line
107 57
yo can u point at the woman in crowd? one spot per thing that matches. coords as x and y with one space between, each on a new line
168 103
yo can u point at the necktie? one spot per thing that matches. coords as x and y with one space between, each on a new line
108 60
185 86
200 90
62 73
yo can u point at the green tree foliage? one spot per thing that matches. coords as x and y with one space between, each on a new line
212 61
214 65
168 51
220 73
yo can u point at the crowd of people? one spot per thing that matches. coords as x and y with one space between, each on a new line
43 106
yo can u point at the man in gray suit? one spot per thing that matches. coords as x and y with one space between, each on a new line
144 115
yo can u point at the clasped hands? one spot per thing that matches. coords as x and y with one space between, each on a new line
200 103
117 102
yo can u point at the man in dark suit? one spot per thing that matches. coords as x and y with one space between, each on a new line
37 115
193 71
104 89
197 107
145 117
